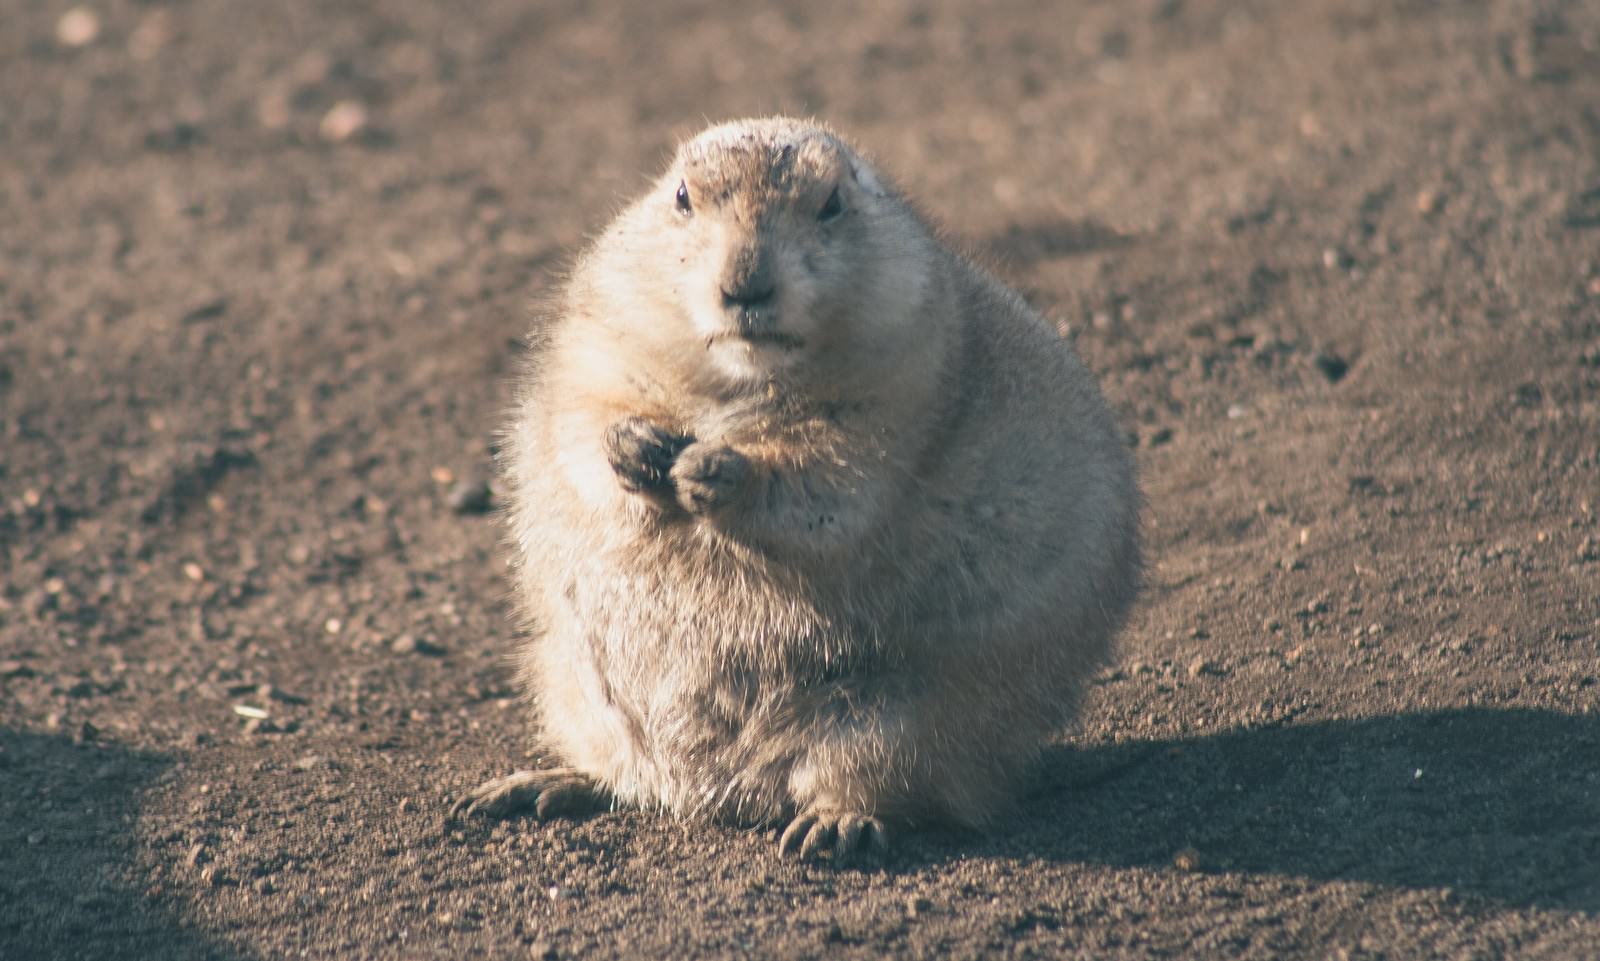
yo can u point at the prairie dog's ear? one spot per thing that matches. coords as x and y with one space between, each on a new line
866 177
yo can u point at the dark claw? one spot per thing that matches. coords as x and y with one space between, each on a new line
545 794
850 831
820 838
846 836
795 833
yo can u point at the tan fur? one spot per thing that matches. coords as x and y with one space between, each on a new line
932 546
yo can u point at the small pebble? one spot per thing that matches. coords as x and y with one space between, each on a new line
78 27
916 907
194 572
1200 666
270 693
410 644
1429 201
1331 366
543 951
273 110
15 669
209 308
343 121
470 495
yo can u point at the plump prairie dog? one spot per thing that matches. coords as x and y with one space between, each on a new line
814 520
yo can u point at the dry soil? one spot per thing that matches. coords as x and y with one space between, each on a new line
264 268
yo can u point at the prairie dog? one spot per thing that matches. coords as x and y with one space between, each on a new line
814 521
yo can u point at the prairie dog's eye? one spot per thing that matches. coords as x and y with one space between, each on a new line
832 207
684 207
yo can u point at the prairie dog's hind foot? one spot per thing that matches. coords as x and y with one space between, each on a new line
847 835
557 792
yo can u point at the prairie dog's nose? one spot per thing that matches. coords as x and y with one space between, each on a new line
748 295
749 280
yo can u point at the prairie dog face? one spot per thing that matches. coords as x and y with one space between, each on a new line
783 250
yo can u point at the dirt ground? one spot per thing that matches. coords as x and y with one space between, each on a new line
263 272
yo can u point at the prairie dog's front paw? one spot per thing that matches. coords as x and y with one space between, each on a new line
642 454
707 477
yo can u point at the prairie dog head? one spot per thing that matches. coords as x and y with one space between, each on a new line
779 253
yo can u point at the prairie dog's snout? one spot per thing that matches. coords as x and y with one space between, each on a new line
751 291
749 281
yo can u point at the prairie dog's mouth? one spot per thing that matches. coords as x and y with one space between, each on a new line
772 338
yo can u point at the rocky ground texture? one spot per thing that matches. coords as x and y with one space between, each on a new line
263 273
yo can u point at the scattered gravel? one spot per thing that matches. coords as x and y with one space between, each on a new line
472 495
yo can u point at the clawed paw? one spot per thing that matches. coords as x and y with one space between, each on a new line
707 477
642 454
846 836
545 794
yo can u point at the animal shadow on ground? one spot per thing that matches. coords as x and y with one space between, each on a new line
1501 805
68 886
